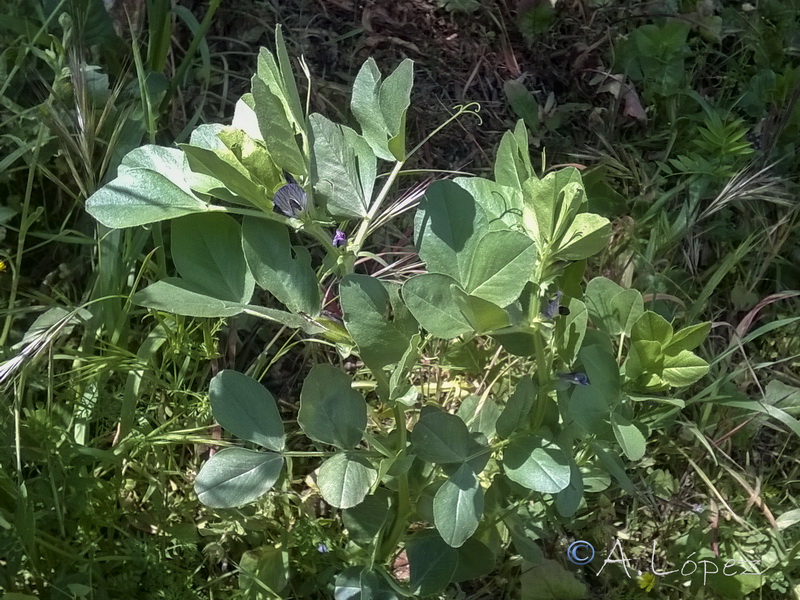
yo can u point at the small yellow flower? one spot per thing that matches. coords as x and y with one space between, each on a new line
3 266
647 581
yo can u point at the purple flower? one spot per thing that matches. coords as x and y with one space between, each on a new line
553 309
339 238
290 200
322 548
576 378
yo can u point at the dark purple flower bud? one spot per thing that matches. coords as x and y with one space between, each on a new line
576 378
339 238
551 310
290 200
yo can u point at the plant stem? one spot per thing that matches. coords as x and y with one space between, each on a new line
401 520
315 230
363 229
544 364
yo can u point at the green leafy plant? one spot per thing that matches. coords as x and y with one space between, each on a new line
266 203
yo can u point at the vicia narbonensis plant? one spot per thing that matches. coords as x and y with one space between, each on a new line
504 261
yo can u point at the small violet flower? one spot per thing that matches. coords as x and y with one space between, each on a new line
322 548
339 238
576 378
553 308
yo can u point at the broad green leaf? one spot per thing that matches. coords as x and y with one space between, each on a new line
244 117
500 201
366 106
475 560
364 521
628 436
253 156
342 168
205 136
365 304
569 499
150 186
358 583
223 165
235 476
683 369
290 95
595 479
458 506
399 387
331 411
367 164
210 161
587 235
588 405
424 505
485 421
380 107
652 327
501 266
282 269
518 406
345 479
573 326
536 464
627 308
431 561
447 228
265 566
550 581
430 300
613 465
571 279
523 544
207 252
395 99
519 340
512 165
600 291
482 315
550 205
236 160
246 409
643 357
178 296
277 130
440 437
687 338
479 450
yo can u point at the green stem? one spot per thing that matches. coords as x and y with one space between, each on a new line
461 110
363 229
315 230
544 364
401 520
543 369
